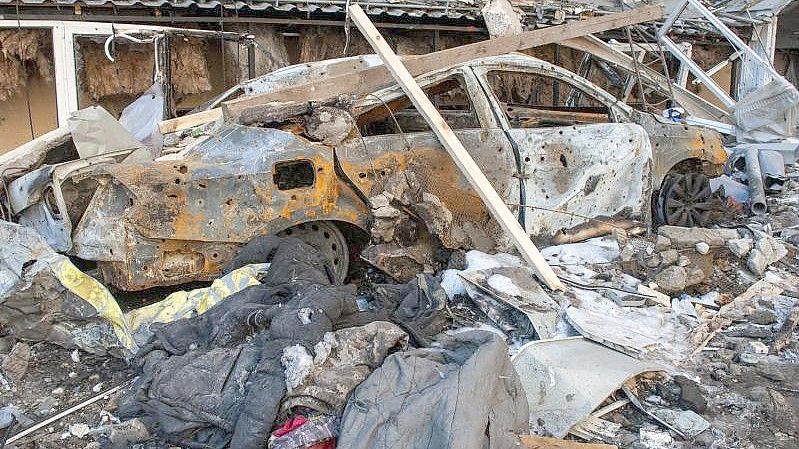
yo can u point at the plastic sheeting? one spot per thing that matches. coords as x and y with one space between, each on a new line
95 131
142 116
46 297
767 114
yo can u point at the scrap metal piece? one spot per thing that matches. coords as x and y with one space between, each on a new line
511 298
566 379
599 327
637 403
757 196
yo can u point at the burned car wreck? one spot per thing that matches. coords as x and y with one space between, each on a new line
339 173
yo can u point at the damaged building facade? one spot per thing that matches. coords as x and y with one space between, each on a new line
439 224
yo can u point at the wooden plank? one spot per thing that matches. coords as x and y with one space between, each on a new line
365 81
189 121
536 442
597 429
462 159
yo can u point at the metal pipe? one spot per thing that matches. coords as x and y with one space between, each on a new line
772 166
757 196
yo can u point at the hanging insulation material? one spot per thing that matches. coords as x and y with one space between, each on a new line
319 43
189 66
130 74
132 71
22 53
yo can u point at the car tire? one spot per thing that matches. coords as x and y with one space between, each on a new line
685 199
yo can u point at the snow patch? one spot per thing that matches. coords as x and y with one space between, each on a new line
476 260
504 284
297 364
596 250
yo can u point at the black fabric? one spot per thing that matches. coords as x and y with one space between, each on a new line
216 379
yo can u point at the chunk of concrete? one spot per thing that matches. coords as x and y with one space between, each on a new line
15 364
689 237
740 247
757 262
694 275
672 279
329 125
662 243
669 257
502 19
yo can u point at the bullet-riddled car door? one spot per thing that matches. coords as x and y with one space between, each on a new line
577 162
396 139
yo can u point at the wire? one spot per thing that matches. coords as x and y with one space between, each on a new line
347 23
635 66
396 123
663 61
613 225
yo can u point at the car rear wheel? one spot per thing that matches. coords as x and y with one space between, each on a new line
327 239
685 199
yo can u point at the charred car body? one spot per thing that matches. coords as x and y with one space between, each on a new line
556 163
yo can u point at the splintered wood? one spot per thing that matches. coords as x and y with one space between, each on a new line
536 442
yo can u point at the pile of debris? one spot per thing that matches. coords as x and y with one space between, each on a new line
360 289
291 359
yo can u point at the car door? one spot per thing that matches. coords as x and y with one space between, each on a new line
579 158
395 137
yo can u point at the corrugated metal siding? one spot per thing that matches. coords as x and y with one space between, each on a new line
432 9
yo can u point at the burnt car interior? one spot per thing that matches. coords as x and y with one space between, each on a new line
400 116
530 100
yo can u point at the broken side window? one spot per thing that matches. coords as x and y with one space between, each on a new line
400 116
530 100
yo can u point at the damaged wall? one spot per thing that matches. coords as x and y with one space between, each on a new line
319 43
22 53
270 52
26 85
707 56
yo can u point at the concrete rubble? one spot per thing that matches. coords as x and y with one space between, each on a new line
309 260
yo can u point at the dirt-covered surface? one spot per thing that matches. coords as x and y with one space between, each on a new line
54 380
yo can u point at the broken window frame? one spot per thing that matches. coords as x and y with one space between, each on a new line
480 104
618 111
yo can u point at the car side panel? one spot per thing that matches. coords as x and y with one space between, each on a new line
582 171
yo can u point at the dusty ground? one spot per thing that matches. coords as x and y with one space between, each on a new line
53 382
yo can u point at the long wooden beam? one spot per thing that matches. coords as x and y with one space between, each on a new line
462 158
371 79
